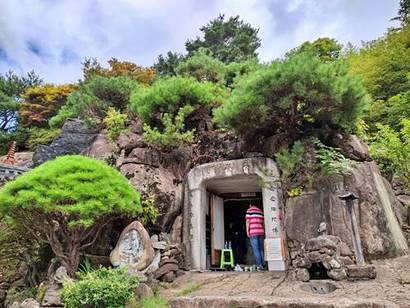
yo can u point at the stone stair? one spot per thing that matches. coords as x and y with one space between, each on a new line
276 302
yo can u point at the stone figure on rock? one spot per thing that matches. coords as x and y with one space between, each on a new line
134 248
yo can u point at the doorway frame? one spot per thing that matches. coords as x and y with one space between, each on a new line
196 202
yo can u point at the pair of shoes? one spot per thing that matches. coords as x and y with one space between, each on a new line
260 269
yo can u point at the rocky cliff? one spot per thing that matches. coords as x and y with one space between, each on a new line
152 171
380 214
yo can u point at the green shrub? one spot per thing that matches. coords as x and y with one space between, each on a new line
330 161
149 212
290 162
384 64
391 150
294 96
305 162
115 122
40 136
202 66
109 288
173 134
170 94
78 194
234 70
19 295
92 99
389 112
17 246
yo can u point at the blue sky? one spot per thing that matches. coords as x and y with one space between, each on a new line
54 36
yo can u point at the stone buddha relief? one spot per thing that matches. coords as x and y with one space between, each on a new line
131 248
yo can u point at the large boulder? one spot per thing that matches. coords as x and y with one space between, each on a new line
129 140
101 148
75 138
134 248
352 147
147 176
376 210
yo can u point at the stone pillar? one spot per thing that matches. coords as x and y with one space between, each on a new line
273 246
196 243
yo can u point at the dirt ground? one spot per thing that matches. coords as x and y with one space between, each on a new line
392 285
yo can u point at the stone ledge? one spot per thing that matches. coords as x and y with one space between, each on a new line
277 302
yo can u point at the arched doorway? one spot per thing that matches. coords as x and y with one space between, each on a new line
208 185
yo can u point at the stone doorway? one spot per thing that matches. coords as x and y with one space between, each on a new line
235 207
210 184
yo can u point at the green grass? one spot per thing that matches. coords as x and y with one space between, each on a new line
189 290
149 302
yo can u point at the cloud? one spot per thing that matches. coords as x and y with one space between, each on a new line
54 37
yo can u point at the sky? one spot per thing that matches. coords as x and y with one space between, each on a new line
53 37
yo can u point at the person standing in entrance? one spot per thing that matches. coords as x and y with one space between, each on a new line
256 232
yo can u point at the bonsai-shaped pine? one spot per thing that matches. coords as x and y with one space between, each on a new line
67 202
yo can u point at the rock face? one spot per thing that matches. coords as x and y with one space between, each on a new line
352 147
377 211
148 172
101 148
134 248
75 137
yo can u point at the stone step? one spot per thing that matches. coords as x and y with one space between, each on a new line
276 302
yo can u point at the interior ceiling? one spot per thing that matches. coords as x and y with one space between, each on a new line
234 185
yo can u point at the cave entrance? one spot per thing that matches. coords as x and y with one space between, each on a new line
235 225
227 226
318 271
217 196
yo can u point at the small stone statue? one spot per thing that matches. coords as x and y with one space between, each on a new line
322 229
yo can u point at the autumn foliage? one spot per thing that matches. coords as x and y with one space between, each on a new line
43 102
119 68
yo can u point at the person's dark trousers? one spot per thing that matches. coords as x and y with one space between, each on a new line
257 247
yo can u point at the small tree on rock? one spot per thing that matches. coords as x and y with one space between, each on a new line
294 97
67 202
